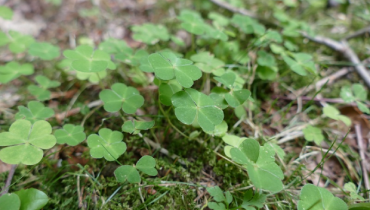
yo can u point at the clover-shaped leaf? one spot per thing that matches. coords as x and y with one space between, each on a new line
146 164
220 129
353 191
6 13
218 19
26 141
16 41
93 77
32 199
191 105
260 164
85 59
113 46
318 198
334 114
35 111
265 59
312 133
166 90
44 50
121 97
192 22
300 63
134 127
357 93
266 72
107 144
13 70
247 24
128 56
41 91
215 33
70 134
219 196
128 173
236 96
206 62
150 33
268 37
167 66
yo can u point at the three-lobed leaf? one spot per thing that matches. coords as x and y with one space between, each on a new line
35 111
312 133
41 91
44 50
334 114
122 97
13 70
32 199
26 141
192 106
16 41
134 126
150 33
145 164
107 144
6 13
70 134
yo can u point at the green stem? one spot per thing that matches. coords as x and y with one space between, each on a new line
169 121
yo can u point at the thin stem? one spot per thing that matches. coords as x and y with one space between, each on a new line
169 121
9 180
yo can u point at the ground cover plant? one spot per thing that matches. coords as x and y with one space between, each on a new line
184 105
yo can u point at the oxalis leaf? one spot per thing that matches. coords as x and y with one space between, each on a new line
208 64
150 33
134 127
317 198
192 22
167 66
300 63
6 13
334 114
26 141
113 46
146 164
17 42
128 56
13 70
357 93
41 91
107 144
236 96
260 164
10 201
70 134
35 111
312 133
44 50
191 105
121 97
166 91
85 59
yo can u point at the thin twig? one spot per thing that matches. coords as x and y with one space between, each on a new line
8 180
362 156
230 7
358 33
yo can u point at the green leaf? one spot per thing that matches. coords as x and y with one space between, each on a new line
265 59
128 56
26 140
353 191
121 97
167 66
107 144
191 105
216 206
166 91
41 92
359 206
359 91
317 198
220 129
346 94
113 46
135 126
44 50
35 111
13 70
206 62
236 96
334 114
312 133
128 173
70 134
32 199
6 13
85 59
216 193
301 63
253 199
10 201
150 33
93 77
192 22
267 73
146 164
16 41
247 24
363 107
218 19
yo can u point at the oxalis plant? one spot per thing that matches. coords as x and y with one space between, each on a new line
196 92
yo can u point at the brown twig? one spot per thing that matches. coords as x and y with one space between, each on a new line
8 180
231 8
362 156
74 111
